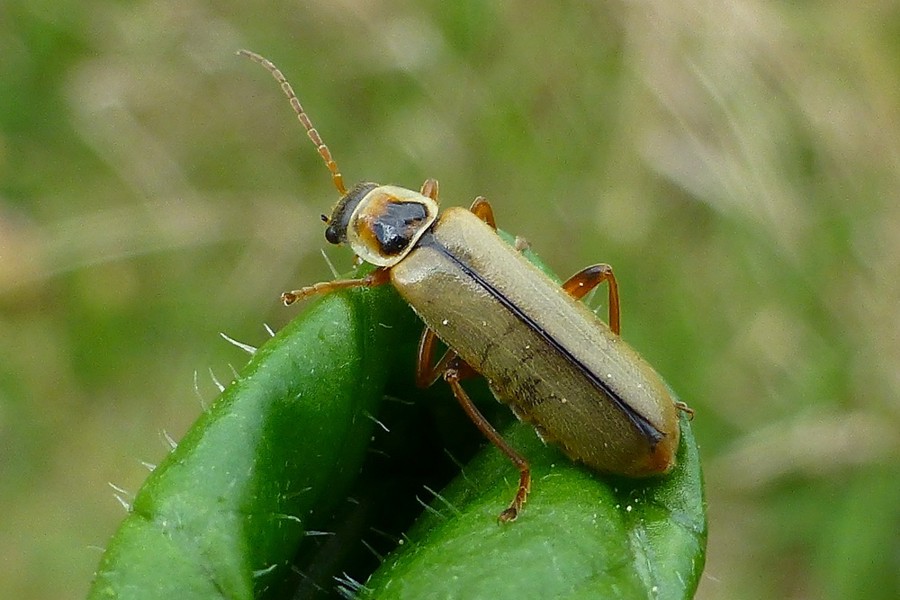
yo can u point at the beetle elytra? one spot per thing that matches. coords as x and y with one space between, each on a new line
542 351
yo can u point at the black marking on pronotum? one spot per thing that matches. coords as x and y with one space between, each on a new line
398 225
643 425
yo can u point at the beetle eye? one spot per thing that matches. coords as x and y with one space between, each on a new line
332 235
336 232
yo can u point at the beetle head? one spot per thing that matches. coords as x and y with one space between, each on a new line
336 232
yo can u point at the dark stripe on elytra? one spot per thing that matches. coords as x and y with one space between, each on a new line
646 428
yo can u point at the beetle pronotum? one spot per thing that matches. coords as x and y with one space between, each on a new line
543 352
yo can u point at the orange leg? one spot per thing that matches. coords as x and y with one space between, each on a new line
452 376
427 371
375 278
430 189
453 369
685 409
483 210
587 279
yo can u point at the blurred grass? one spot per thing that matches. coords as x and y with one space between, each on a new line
737 163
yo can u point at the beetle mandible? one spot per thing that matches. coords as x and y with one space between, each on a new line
542 351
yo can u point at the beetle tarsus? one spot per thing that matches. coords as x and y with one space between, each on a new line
509 515
512 513
293 296
288 298
685 409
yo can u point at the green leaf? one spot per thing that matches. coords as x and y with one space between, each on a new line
580 535
227 510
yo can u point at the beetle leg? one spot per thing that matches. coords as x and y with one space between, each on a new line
375 278
453 370
426 372
430 189
587 279
483 210
452 376
685 409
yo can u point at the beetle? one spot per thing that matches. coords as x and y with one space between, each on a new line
543 352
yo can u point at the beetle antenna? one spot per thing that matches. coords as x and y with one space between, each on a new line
311 131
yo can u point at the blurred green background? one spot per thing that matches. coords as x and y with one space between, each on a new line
738 163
